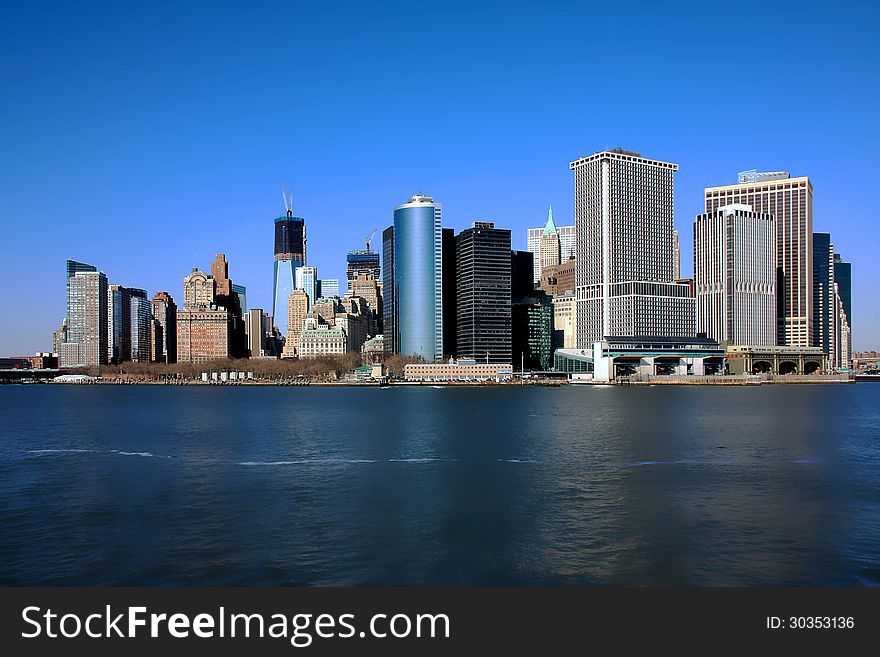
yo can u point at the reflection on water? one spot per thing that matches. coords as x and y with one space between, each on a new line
674 485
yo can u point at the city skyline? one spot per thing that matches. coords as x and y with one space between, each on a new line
114 165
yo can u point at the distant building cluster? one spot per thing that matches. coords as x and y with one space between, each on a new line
603 297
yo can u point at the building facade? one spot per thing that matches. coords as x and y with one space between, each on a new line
417 279
388 315
290 253
164 339
790 201
735 275
532 321
567 246
328 287
141 319
297 309
564 321
306 279
457 370
624 277
549 245
483 297
87 340
362 262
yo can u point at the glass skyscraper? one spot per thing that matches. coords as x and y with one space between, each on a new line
417 279
307 280
290 253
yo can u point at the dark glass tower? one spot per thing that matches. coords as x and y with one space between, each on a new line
823 292
290 253
450 332
483 293
388 325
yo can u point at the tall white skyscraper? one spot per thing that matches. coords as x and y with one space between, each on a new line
735 275
790 201
567 242
623 215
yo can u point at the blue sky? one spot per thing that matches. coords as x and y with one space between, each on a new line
146 138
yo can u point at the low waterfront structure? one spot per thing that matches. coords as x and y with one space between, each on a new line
617 356
749 359
457 370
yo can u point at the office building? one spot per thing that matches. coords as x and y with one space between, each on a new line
824 307
522 283
362 262
532 332
735 275
367 288
290 253
416 279
388 315
559 279
843 280
328 287
483 293
790 201
624 277
567 244
306 279
240 293
164 339
450 298
463 370
549 248
297 309
86 344
202 335
564 321
322 340
141 329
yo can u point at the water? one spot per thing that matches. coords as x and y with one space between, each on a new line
663 485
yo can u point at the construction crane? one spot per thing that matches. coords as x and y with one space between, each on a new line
369 240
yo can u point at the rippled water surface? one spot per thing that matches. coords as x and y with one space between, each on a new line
662 485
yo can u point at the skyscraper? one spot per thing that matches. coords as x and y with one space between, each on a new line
624 278
86 344
824 315
790 201
363 261
290 253
388 316
567 243
843 288
417 279
328 287
549 244
450 295
306 279
735 275
164 328
141 315
297 309
483 298
676 256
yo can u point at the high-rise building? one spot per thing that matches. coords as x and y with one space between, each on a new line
297 309
388 315
843 296
559 279
564 321
240 293
624 279
86 344
824 313
735 275
211 325
522 283
328 287
532 332
567 244
141 316
307 280
290 253
164 339
118 324
549 246
367 288
450 295
417 279
362 262
483 293
790 201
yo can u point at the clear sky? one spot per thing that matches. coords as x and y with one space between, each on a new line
144 138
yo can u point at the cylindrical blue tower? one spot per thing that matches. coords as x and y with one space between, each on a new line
418 291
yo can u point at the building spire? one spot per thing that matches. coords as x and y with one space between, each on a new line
550 227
